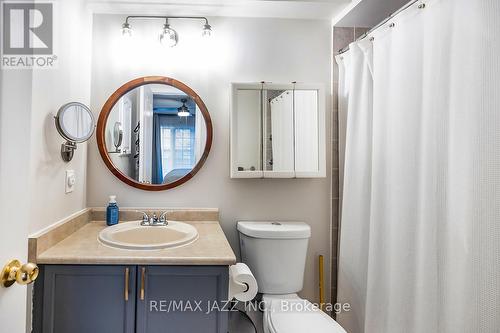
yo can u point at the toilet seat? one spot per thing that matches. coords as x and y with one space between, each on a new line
291 314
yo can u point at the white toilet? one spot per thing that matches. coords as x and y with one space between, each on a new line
276 254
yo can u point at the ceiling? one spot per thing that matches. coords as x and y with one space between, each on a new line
367 13
168 103
293 9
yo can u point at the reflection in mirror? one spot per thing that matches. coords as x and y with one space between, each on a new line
163 134
248 124
279 132
118 136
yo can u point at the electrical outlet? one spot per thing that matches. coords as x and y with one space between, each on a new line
70 181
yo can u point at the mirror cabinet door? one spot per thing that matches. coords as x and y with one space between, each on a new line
247 133
278 131
306 131
278 140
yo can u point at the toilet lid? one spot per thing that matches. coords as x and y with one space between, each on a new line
299 316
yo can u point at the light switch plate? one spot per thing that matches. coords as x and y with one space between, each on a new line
70 181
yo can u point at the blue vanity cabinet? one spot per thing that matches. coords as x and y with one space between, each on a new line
84 299
182 299
129 299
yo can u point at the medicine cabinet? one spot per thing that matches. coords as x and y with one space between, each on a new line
277 131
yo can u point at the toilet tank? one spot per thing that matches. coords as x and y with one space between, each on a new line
276 254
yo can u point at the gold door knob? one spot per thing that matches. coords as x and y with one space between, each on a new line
15 272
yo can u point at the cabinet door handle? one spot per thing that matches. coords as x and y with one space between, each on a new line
143 282
127 277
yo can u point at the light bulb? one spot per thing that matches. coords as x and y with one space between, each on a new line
207 30
168 36
126 30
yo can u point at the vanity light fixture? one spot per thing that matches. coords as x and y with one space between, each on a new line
168 36
126 30
207 30
183 111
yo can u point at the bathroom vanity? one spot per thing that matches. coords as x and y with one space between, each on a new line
143 275
85 286
131 298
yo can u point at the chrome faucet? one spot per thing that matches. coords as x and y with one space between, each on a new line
163 218
153 220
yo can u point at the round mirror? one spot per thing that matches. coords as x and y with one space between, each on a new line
75 122
154 133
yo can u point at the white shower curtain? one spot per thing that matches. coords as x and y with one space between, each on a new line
355 101
420 232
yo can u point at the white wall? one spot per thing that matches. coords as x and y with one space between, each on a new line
241 50
31 170
52 88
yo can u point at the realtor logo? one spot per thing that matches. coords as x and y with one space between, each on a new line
27 35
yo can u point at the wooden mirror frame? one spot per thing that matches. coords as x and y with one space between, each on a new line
113 99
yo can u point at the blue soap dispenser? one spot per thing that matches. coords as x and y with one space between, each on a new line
112 212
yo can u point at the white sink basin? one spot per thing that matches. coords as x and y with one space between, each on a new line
134 236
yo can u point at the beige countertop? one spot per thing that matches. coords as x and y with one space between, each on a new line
83 247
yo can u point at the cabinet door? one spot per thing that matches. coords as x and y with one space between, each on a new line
83 299
278 131
278 137
246 131
167 298
309 133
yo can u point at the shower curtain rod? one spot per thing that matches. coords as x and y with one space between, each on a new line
405 7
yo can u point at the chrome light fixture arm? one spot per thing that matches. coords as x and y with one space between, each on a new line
165 17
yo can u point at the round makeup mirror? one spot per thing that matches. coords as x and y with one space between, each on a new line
154 133
117 136
75 123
